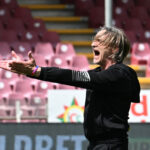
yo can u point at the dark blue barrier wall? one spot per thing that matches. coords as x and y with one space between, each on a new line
61 137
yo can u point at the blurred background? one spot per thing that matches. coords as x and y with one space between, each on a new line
38 115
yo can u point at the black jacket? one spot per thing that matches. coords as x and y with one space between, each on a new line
109 95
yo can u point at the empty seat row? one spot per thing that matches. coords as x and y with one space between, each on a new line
29 36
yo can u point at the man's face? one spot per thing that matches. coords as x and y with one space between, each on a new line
99 51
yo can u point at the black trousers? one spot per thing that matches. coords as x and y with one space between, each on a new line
109 145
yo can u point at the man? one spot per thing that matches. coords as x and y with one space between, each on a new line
110 88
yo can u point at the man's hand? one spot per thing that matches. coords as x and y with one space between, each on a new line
19 66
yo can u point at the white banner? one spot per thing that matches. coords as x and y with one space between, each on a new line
140 112
68 106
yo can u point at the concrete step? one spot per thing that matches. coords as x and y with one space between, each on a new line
38 1
49 10
64 22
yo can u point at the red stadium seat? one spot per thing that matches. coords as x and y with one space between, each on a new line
82 7
36 25
9 3
144 3
147 73
124 3
52 37
45 50
4 13
37 99
63 86
140 13
21 48
11 38
59 61
99 3
96 17
29 36
14 24
116 23
120 13
22 13
40 60
131 36
4 50
43 86
140 53
24 87
5 89
66 50
80 63
14 97
9 76
6 111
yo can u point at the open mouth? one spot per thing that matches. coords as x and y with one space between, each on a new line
96 52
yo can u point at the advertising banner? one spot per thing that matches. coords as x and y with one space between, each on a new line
140 112
68 106
61 136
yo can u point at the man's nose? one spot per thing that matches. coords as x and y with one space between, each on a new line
93 44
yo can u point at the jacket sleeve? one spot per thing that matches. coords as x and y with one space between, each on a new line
110 79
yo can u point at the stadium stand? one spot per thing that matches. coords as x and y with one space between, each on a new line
140 53
29 33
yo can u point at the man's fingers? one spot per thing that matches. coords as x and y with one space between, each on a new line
15 55
30 55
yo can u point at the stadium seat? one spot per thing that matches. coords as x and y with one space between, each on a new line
37 25
21 48
147 36
63 86
99 3
96 17
15 24
131 36
23 13
4 13
59 61
14 97
120 13
9 3
9 76
11 38
4 50
23 87
5 89
43 86
144 3
82 7
52 37
116 23
66 50
28 111
140 53
6 111
45 50
124 3
40 60
1 26
40 111
147 73
37 99
29 36
80 63
142 14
